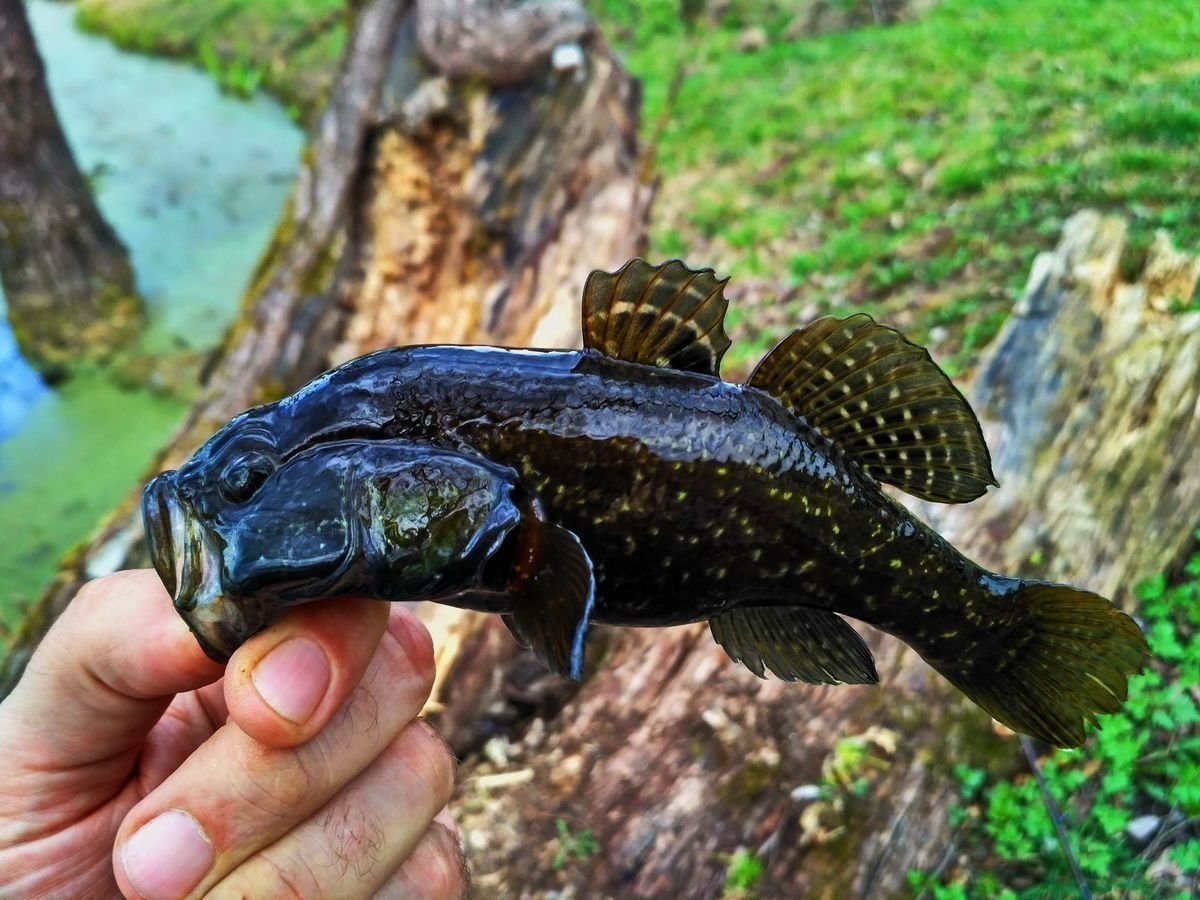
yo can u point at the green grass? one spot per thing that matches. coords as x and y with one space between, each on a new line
1145 761
914 171
289 47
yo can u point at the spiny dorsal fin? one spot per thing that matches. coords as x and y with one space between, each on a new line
885 402
666 315
796 643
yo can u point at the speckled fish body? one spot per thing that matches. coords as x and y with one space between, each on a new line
628 484
691 494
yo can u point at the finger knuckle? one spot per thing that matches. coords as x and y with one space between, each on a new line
287 877
409 652
431 759
92 595
276 782
354 839
444 874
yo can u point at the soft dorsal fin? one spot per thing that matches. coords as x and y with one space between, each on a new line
666 315
885 402
796 643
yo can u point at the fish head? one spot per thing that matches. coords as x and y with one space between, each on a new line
240 533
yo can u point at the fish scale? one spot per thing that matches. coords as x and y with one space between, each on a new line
626 483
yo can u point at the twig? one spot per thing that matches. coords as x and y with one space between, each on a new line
678 77
1056 816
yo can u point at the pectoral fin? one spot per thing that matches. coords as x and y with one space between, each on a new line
796 644
553 591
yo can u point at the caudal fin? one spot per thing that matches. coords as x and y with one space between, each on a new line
1068 660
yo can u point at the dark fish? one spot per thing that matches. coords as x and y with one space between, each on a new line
627 483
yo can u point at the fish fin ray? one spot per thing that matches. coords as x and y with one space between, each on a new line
553 592
795 643
665 315
513 629
885 402
1068 660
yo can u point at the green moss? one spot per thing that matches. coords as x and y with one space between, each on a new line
748 782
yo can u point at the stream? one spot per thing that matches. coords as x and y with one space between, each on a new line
193 181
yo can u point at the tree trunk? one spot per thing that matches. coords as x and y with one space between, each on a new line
66 275
427 210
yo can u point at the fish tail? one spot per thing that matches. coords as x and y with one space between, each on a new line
1067 658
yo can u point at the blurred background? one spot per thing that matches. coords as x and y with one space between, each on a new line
911 160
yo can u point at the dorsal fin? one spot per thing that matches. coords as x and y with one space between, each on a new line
666 315
885 402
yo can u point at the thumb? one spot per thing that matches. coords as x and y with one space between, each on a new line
100 679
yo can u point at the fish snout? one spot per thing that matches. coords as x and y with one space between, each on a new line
187 557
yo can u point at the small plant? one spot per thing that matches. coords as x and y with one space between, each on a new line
744 873
854 758
572 846
236 76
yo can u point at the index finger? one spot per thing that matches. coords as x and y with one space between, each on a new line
103 675
284 685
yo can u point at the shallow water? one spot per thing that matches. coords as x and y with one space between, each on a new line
193 181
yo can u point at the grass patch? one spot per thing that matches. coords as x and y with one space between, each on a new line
888 167
744 872
569 845
288 47
888 170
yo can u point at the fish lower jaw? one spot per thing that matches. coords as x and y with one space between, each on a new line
219 622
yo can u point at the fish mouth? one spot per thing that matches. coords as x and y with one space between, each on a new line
158 518
187 557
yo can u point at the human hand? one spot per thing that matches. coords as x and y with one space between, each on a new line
131 762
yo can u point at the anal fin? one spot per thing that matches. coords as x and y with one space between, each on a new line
553 592
884 402
796 643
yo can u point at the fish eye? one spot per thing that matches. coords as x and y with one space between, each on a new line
244 475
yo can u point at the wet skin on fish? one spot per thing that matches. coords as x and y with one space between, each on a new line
628 484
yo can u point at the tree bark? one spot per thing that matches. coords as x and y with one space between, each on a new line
67 279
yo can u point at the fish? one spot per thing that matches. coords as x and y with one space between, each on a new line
627 483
